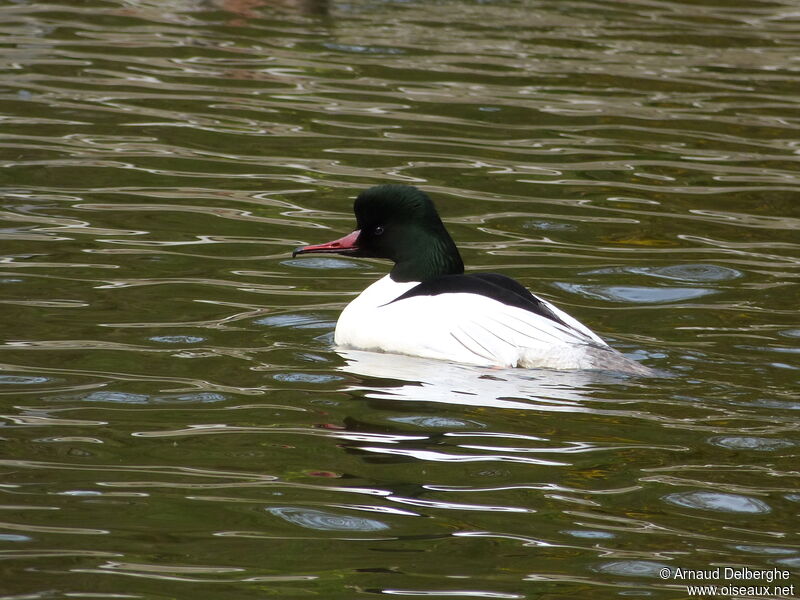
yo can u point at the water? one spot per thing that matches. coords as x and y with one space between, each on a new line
175 421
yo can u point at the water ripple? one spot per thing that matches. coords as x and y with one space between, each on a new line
317 519
167 372
718 501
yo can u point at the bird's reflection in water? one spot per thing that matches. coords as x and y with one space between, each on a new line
392 376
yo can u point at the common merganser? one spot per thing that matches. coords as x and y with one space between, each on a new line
427 306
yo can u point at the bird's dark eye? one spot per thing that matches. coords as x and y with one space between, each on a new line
378 230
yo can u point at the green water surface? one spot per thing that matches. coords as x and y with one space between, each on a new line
175 420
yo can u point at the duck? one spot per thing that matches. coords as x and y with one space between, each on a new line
427 306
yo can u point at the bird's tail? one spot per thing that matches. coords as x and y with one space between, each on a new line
608 359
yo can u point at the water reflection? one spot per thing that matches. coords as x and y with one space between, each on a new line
435 422
10 537
118 397
769 550
635 294
681 272
419 379
177 339
22 380
718 501
296 321
760 444
589 534
450 593
632 568
325 521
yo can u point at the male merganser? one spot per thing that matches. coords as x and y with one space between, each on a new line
427 306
